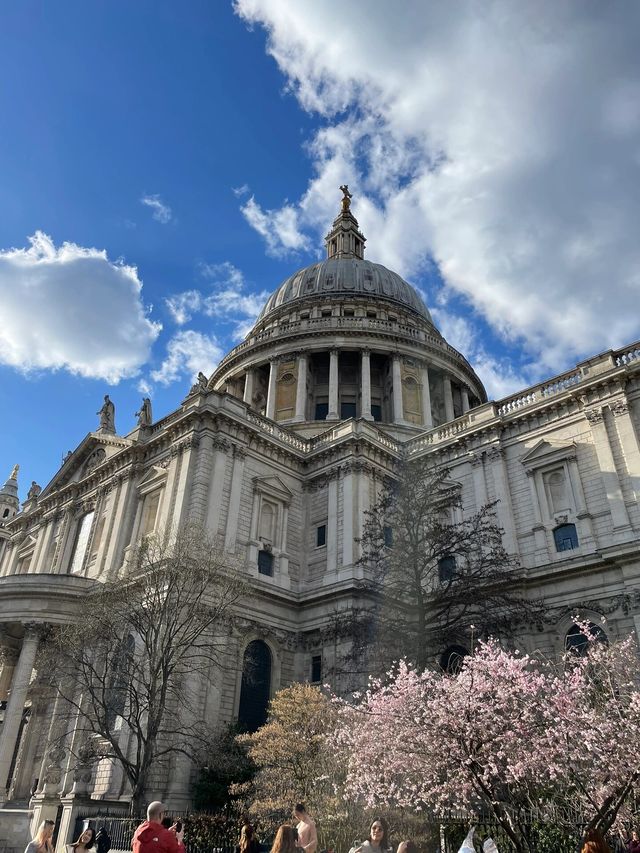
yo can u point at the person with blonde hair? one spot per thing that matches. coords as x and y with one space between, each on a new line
286 840
248 841
42 842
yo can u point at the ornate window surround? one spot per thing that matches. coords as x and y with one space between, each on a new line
273 491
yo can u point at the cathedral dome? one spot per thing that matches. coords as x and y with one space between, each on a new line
345 277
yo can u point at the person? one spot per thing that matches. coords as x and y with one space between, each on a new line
285 840
248 841
468 845
407 847
594 842
378 840
307 834
85 842
633 844
42 842
152 837
103 841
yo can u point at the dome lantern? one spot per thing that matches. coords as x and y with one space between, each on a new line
345 240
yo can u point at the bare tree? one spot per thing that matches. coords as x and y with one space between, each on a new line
128 668
432 572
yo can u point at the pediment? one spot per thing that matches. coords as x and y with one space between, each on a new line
153 478
274 486
92 452
547 452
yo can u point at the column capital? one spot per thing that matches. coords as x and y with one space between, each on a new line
595 415
619 407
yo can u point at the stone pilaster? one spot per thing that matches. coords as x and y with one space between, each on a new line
608 472
221 448
504 508
396 378
237 477
332 524
628 441
347 515
248 386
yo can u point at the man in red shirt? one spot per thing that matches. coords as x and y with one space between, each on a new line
152 837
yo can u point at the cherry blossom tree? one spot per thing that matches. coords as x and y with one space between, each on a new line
508 735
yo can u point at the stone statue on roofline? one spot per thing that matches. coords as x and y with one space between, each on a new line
144 415
346 198
34 491
107 416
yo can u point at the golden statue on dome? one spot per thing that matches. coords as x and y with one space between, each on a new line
346 198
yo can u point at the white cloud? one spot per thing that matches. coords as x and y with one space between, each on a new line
188 352
501 139
161 212
227 299
240 191
70 307
279 228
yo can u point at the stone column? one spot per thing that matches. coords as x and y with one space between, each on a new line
15 706
396 372
479 482
248 386
333 414
272 389
464 393
8 658
427 417
607 467
448 399
301 388
365 386
332 522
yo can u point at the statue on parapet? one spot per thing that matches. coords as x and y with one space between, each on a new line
34 491
145 417
107 416
346 198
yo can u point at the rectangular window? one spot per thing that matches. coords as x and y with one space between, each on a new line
322 410
82 540
348 312
371 315
321 535
149 513
387 532
446 568
325 312
376 411
316 668
265 563
347 410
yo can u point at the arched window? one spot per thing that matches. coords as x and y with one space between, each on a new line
565 537
82 540
256 686
446 568
577 641
452 658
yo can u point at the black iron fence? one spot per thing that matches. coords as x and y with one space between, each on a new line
200 836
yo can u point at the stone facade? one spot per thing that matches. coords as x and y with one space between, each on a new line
280 453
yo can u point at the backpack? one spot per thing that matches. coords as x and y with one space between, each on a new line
103 841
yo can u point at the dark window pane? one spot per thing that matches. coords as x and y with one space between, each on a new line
446 568
347 410
256 686
321 535
577 641
376 411
566 537
322 410
265 563
451 659
316 668
388 536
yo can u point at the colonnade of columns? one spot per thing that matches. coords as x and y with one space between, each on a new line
333 413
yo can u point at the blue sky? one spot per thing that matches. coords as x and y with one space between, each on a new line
164 166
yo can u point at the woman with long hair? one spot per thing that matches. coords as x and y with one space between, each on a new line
378 840
594 842
85 842
286 840
42 842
